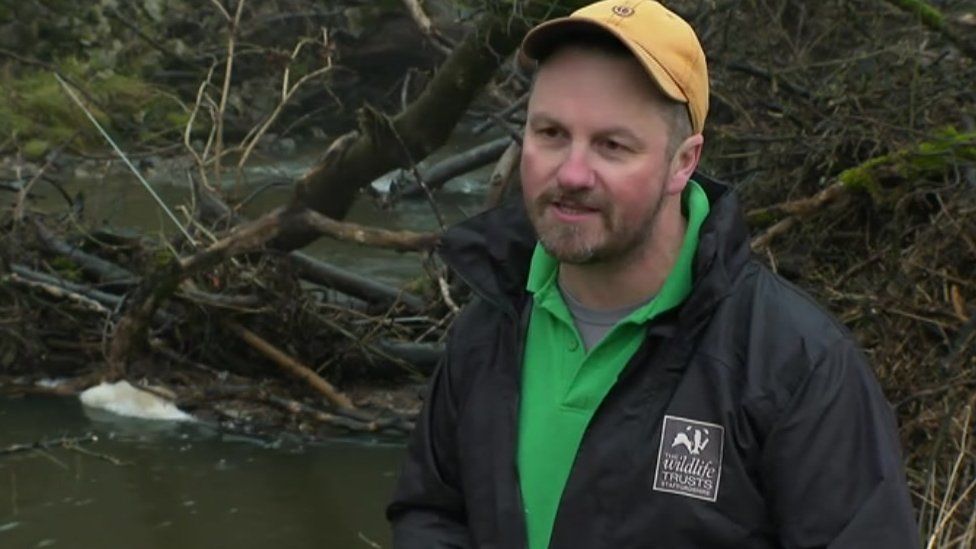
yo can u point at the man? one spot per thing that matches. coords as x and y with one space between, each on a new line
626 375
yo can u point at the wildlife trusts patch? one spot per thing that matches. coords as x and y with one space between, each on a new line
689 461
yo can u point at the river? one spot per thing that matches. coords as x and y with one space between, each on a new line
185 486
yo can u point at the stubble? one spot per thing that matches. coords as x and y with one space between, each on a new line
612 241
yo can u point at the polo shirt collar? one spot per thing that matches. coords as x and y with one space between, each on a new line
543 269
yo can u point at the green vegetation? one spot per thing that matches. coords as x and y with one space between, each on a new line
923 160
37 114
90 45
67 269
929 15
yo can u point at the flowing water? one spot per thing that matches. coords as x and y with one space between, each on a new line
183 486
186 486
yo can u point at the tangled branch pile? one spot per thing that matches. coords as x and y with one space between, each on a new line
66 281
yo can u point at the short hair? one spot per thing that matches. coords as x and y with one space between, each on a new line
676 115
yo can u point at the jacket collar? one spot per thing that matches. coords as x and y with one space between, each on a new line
723 249
492 251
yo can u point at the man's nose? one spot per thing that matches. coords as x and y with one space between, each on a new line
575 172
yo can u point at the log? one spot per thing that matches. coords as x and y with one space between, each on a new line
110 301
351 284
61 293
423 356
439 174
91 264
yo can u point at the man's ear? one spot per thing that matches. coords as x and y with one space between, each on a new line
683 163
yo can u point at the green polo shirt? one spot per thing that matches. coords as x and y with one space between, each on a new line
562 383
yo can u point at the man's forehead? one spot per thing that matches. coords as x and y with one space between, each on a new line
542 117
565 61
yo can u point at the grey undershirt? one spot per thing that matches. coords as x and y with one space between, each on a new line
593 324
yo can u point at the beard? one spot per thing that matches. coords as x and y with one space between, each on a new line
606 239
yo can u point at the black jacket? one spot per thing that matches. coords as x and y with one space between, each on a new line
803 443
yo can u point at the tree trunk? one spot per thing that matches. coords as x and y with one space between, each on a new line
383 143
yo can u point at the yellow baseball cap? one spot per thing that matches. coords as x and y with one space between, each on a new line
664 43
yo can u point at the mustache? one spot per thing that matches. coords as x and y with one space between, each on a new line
578 199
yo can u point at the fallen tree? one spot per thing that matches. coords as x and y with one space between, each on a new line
382 143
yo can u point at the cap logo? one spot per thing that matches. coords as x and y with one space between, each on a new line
623 11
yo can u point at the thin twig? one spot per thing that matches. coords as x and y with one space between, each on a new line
368 541
105 457
518 104
287 92
427 27
188 129
50 443
225 92
223 11
365 347
52 158
446 294
947 514
416 173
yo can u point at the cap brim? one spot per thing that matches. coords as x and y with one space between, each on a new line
541 39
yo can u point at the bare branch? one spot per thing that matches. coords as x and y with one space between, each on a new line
419 16
225 92
287 92
292 366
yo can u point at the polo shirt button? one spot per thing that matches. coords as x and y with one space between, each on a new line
573 345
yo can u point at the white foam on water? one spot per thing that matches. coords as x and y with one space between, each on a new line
125 400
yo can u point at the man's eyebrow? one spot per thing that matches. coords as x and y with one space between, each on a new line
544 118
623 132
620 131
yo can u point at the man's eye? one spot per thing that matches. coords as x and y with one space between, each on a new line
613 146
550 133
